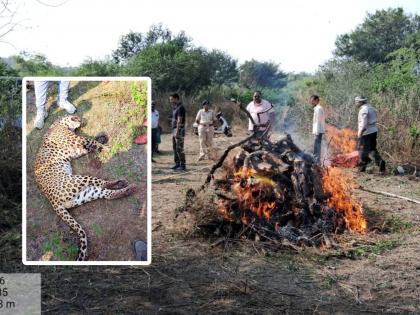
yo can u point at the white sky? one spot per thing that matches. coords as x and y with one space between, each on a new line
298 34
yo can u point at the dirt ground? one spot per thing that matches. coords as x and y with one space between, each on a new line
374 273
111 225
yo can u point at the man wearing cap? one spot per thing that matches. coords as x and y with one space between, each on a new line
178 132
261 112
367 134
318 126
205 119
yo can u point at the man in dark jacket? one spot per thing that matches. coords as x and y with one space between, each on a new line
178 131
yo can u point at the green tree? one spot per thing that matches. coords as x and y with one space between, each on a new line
171 67
224 69
259 75
380 34
399 74
97 68
36 65
133 43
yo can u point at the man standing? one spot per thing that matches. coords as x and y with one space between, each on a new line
41 90
367 134
318 126
178 132
261 112
155 128
205 120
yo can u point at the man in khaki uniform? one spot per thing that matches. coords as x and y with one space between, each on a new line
205 120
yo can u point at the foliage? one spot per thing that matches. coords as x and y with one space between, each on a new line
223 68
380 34
397 75
36 65
172 67
10 100
258 75
133 43
97 68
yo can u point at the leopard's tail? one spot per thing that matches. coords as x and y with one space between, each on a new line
67 217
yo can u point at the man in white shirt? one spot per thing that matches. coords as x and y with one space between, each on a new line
318 126
205 119
261 112
155 126
367 133
41 91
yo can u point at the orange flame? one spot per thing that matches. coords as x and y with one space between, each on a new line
343 147
251 193
340 185
341 140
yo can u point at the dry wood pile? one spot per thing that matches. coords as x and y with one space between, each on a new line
273 191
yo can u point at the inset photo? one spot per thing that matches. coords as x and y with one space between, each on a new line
86 176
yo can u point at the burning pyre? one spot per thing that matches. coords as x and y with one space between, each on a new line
275 191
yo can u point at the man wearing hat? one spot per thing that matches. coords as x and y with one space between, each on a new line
367 134
205 120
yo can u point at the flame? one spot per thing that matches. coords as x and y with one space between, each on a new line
252 191
341 140
340 185
343 147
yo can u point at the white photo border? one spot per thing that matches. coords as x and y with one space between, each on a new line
149 174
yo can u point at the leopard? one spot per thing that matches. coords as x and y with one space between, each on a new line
54 175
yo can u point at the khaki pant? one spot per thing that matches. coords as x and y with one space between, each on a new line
205 135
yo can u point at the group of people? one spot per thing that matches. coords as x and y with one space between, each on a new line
367 132
261 111
263 117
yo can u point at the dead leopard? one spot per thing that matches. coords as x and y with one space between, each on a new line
54 176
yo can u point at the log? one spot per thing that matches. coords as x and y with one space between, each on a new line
219 163
384 193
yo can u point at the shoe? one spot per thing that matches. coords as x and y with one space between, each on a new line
140 250
382 167
181 168
40 118
69 107
175 166
200 158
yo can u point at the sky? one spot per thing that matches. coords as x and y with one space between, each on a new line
299 35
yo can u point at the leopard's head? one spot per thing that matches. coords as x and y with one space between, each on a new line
71 121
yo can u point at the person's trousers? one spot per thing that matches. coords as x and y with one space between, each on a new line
205 135
178 147
41 92
317 148
368 150
154 140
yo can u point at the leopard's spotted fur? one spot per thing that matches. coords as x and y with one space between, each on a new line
53 174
